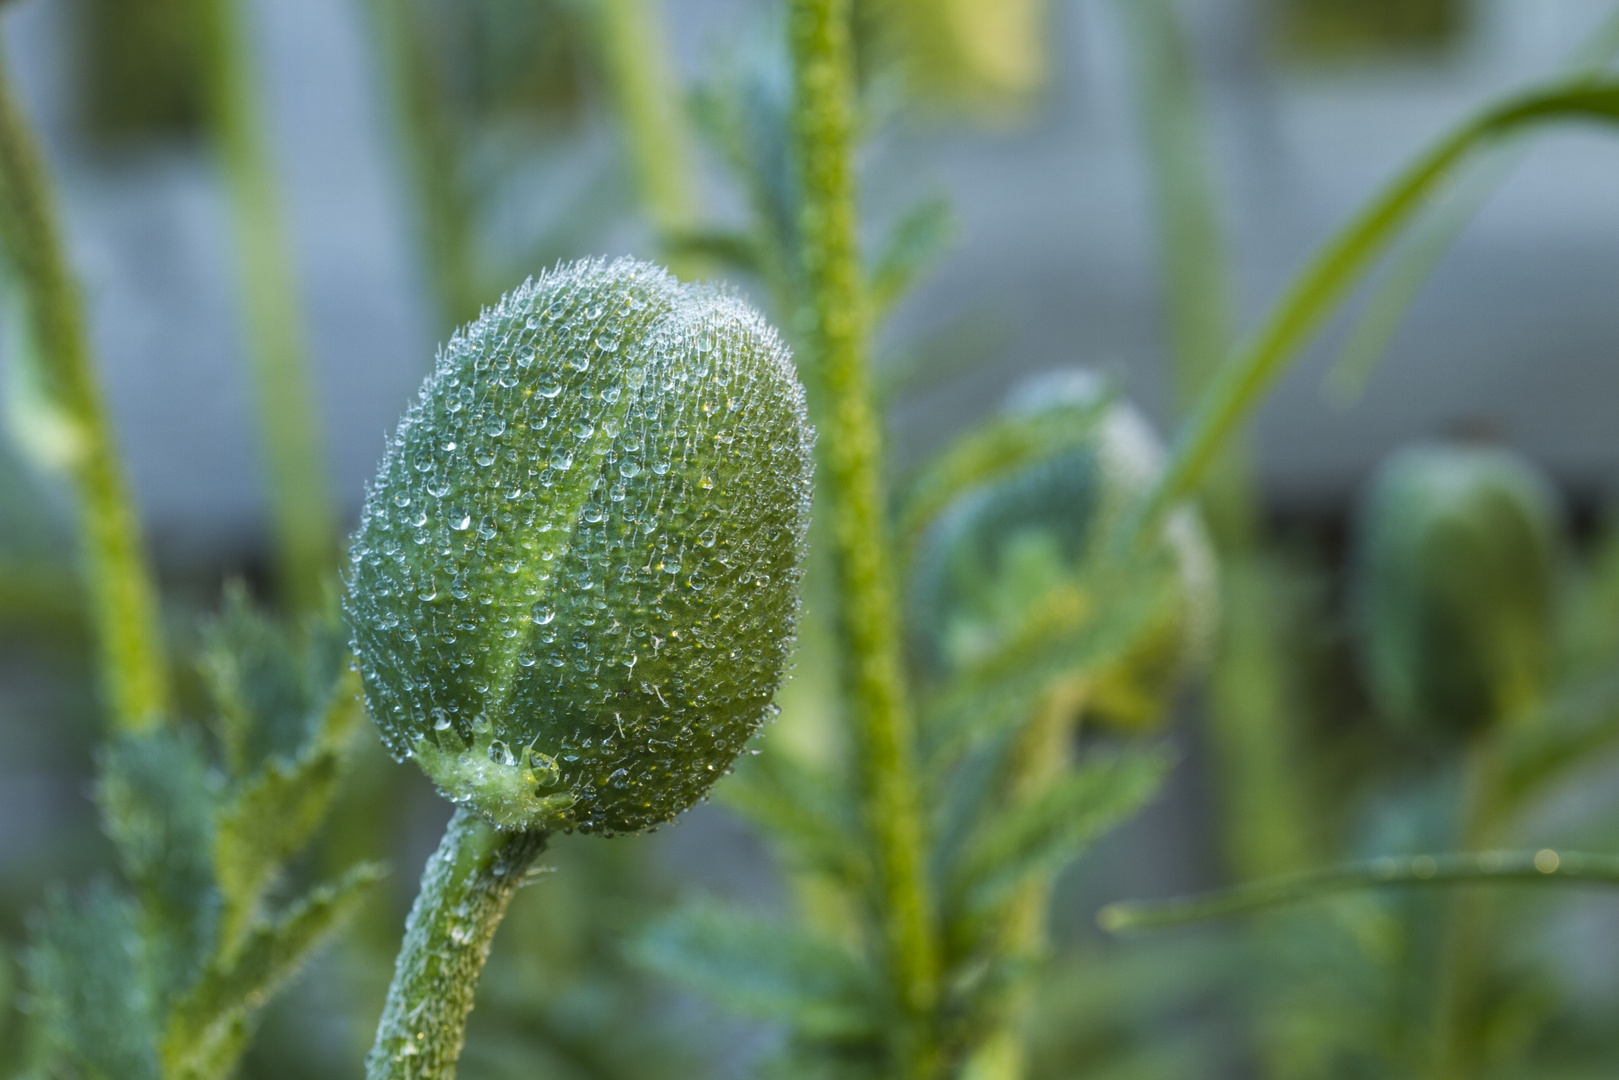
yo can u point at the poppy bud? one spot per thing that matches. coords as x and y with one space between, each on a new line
1021 539
1455 561
575 583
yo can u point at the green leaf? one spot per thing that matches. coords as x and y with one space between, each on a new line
89 988
1040 836
1072 632
269 818
766 970
1193 256
1336 267
272 696
157 803
916 242
210 1017
1575 728
802 809
39 417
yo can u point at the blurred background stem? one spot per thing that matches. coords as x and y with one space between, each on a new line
52 352
303 522
424 130
652 119
871 667
1266 818
1259 782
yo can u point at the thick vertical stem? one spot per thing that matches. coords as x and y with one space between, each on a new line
292 441
52 355
649 111
1461 952
427 138
468 882
869 628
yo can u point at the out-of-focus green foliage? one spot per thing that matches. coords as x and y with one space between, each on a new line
1457 556
922 805
165 978
1329 30
144 66
1014 542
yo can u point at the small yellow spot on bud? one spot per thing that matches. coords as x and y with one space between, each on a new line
1547 861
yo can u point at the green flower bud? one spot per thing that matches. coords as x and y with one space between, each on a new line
575 582
1455 561
1026 541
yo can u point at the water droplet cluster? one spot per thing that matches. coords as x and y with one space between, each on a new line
574 587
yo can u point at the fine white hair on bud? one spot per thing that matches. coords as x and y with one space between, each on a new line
574 587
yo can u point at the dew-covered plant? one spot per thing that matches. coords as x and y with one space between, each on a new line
575 586
573 590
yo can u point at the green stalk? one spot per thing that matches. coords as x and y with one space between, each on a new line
1038 760
466 886
648 99
1249 708
869 627
53 352
1483 868
425 130
302 518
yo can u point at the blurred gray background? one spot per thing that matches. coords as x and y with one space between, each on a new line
1516 333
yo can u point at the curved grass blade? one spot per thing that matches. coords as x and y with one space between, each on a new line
1335 269
1489 868
1415 261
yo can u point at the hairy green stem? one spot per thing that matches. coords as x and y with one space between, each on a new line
293 445
869 627
468 882
52 350
1489 867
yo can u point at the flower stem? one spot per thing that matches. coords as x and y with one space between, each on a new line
293 446
1039 758
52 354
650 114
1484 868
869 630
468 882
428 142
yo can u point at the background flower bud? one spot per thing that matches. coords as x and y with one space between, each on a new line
1455 560
574 586
1026 538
